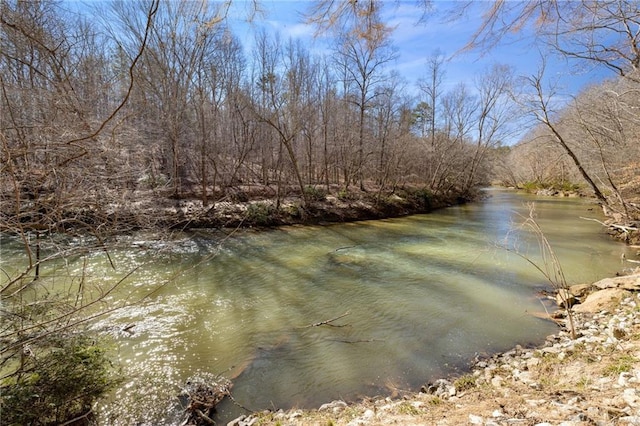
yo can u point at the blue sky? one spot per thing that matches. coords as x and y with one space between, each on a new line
417 41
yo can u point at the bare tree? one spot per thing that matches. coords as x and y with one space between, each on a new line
363 52
540 106
56 105
600 32
431 86
281 83
494 114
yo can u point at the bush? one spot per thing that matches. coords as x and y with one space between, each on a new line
261 213
421 197
60 380
313 193
533 187
345 195
466 382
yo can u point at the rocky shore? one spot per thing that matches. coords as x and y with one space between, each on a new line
592 379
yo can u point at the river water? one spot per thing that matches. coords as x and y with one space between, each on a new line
406 300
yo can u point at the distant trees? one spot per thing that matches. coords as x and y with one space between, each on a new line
592 139
196 118
570 142
593 136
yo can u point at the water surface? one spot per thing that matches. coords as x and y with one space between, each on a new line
417 298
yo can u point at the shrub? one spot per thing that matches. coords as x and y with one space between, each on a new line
313 193
531 186
421 197
261 213
345 195
60 380
465 382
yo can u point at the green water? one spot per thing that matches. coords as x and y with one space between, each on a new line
418 297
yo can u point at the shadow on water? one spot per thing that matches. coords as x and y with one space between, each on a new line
416 297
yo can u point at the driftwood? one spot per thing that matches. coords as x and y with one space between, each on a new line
622 228
328 322
356 341
203 395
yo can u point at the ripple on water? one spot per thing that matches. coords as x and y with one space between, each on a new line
423 294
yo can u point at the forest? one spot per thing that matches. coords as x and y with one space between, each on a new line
150 115
155 102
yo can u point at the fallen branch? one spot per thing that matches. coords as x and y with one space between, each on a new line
204 417
356 341
204 394
76 419
612 225
328 322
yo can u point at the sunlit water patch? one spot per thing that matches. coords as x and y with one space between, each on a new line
403 301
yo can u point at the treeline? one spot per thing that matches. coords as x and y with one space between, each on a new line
591 144
105 105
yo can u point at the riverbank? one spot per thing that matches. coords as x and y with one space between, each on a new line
593 379
253 207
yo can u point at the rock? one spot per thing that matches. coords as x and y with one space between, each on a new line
524 376
601 300
497 414
365 419
496 381
564 297
546 192
475 420
626 282
630 397
243 421
441 388
623 378
334 406
632 420
580 290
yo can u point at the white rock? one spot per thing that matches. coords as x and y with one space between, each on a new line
532 362
524 376
630 397
632 420
623 379
496 381
334 406
475 420
237 421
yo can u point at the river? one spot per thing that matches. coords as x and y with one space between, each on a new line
406 300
